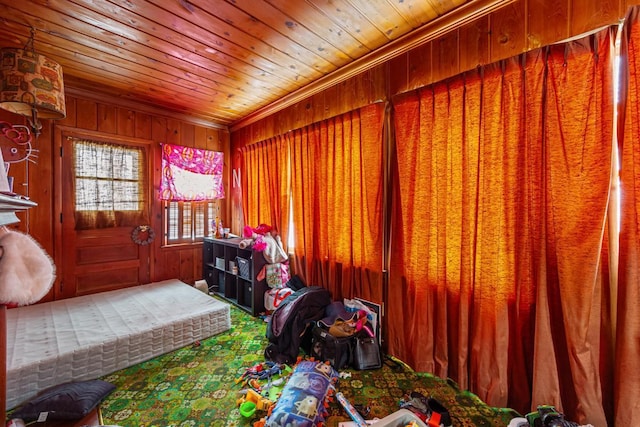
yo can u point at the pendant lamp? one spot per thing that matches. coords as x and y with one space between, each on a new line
31 85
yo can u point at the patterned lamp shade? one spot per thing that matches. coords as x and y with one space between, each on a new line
31 84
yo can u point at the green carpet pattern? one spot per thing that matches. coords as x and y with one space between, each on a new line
196 386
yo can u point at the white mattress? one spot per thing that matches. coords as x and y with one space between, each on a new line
90 336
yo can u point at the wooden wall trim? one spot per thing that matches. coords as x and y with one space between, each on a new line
81 133
144 108
431 31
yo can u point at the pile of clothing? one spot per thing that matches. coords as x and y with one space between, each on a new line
428 409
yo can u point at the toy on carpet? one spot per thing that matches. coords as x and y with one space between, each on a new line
262 371
252 401
258 395
353 413
304 398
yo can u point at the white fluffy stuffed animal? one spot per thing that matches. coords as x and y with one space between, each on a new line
26 270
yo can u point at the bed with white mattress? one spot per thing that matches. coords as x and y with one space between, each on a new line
90 336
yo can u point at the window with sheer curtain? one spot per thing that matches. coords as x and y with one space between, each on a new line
110 184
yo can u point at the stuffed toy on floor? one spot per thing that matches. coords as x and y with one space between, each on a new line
303 400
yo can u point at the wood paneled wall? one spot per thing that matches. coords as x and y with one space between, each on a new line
519 27
34 179
108 119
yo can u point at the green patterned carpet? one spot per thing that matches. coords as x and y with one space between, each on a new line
196 386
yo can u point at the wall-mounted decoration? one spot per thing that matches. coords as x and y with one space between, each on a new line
15 143
15 147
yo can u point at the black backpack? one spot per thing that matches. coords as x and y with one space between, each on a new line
292 320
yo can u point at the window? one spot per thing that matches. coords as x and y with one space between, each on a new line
110 184
190 187
188 222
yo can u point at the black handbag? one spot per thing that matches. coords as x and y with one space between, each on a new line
338 351
366 354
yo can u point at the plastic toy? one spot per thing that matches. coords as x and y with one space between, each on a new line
247 409
262 371
355 416
548 416
251 396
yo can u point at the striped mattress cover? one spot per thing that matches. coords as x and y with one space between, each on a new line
91 336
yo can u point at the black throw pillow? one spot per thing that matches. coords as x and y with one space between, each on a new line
68 401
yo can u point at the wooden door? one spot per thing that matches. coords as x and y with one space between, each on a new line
98 259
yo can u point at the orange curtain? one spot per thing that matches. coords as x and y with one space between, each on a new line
265 184
627 351
572 304
500 193
337 176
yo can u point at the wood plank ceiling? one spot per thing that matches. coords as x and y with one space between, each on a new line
217 61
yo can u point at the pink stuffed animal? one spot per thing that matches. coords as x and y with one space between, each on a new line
253 236
263 240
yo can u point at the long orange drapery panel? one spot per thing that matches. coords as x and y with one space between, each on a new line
337 183
572 304
501 190
266 184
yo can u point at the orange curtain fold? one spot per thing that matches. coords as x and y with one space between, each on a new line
337 182
577 135
500 289
456 210
266 184
500 196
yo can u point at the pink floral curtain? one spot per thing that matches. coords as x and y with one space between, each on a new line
191 174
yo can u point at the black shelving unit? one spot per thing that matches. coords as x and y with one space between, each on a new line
242 287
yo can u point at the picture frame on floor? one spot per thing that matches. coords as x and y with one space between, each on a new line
375 321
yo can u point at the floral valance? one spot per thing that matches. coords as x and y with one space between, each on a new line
191 174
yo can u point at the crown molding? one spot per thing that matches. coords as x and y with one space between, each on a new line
455 19
72 90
